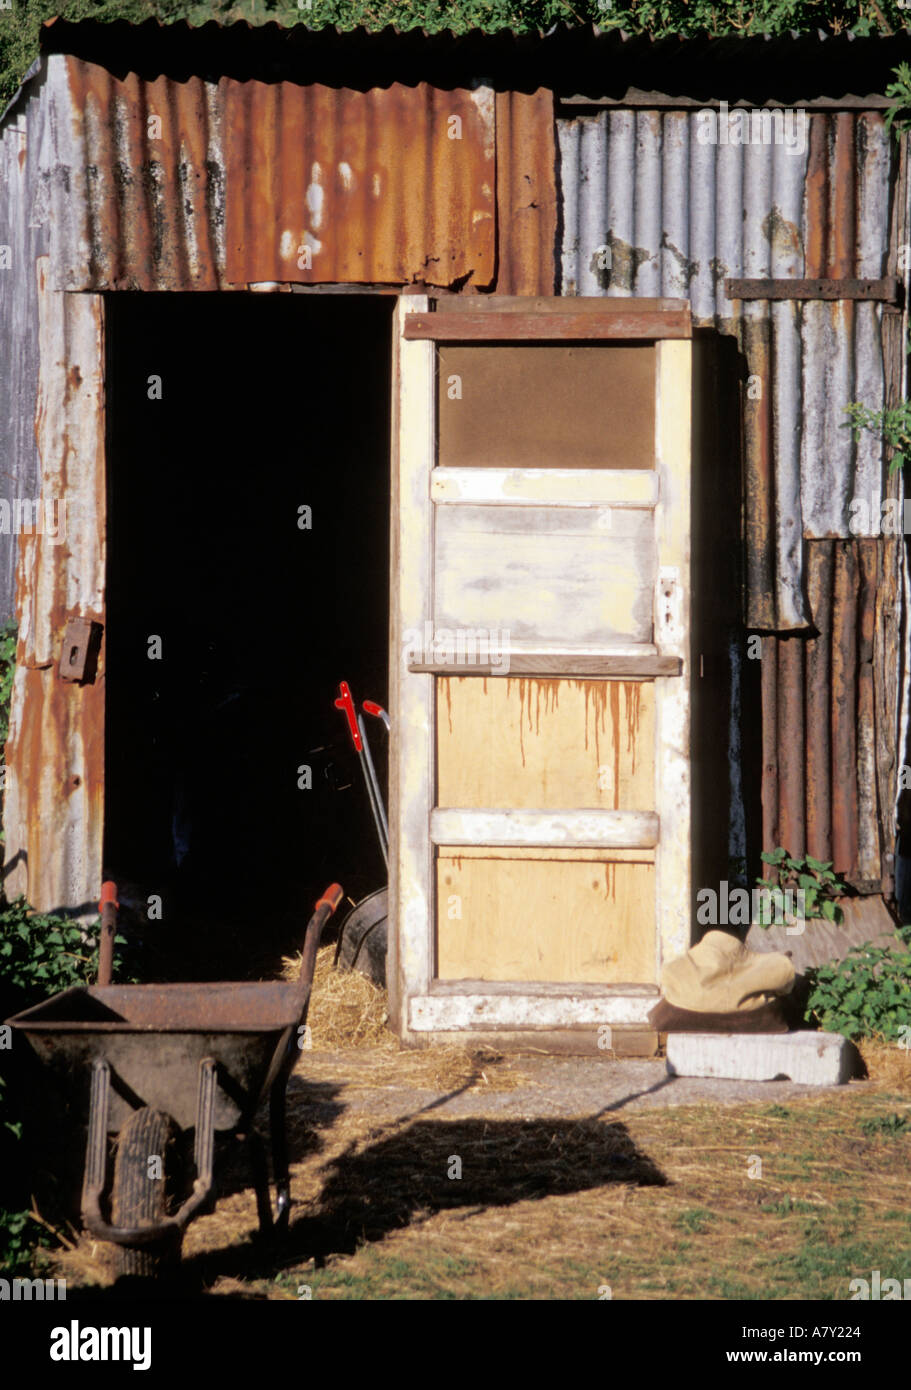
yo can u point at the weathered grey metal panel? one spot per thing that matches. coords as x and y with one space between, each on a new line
679 214
18 324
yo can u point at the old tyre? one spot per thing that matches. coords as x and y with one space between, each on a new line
139 1199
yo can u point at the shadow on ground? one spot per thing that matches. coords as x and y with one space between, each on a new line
433 1165
408 1170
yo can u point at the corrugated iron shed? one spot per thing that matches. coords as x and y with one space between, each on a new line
196 200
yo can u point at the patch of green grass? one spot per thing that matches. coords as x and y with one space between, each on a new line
890 1125
695 1219
788 1205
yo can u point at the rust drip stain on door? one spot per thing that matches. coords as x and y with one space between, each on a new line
632 692
532 690
446 690
595 703
615 734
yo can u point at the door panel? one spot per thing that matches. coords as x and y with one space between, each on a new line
550 573
577 921
579 743
545 406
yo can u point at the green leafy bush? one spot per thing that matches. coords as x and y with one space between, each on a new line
866 995
892 425
41 955
900 93
812 877
20 25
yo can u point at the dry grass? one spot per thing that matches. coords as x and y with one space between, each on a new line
348 1011
656 1203
660 1203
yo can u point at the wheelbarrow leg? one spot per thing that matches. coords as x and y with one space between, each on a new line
260 1170
96 1146
280 1152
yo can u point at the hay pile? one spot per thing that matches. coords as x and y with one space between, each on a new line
348 1011
887 1064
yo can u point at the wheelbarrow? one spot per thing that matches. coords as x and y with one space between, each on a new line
159 1060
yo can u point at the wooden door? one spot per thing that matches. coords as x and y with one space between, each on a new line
540 689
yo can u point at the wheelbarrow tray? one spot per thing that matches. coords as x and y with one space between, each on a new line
154 1037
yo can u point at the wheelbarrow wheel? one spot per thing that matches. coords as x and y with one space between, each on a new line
141 1197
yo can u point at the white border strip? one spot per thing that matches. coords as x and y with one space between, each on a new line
585 829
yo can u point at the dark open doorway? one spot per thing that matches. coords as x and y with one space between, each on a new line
268 404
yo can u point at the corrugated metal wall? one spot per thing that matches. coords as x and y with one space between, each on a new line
526 193
115 183
23 241
680 212
54 798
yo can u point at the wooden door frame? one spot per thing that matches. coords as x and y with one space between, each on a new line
419 1005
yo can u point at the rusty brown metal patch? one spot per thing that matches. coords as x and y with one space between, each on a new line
392 185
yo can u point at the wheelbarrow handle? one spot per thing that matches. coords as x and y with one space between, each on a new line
323 910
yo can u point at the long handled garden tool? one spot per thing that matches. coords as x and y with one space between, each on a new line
345 702
363 934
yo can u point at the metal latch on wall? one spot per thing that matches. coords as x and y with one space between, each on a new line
79 654
668 609
884 291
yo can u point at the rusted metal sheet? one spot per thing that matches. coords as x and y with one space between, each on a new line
819 782
884 290
53 804
132 180
526 193
392 185
159 184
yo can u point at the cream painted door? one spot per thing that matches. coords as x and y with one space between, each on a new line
540 815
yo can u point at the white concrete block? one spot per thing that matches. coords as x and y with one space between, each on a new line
810 1059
